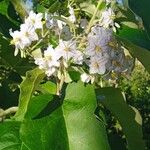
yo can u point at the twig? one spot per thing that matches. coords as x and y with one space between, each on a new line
4 113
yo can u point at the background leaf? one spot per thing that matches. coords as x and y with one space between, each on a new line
8 17
136 36
143 55
141 8
128 117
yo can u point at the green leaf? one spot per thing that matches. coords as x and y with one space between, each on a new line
71 126
136 36
143 55
7 14
4 7
137 43
27 87
141 8
89 8
48 133
48 87
9 135
85 132
128 117
36 104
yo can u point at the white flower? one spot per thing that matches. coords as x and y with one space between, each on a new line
51 57
85 78
98 65
66 48
23 38
35 20
50 61
78 57
101 31
72 17
68 51
97 45
28 34
50 71
17 39
107 18
98 41
40 62
60 24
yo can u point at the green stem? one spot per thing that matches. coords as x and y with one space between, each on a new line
39 41
93 17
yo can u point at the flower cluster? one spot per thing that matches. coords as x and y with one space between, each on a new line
107 18
104 54
96 54
27 33
64 54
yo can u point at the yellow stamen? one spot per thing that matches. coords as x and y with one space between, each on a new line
15 40
48 58
67 49
43 22
26 34
96 65
33 21
97 48
112 44
113 75
112 17
116 63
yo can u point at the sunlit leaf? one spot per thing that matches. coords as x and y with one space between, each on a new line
27 87
69 127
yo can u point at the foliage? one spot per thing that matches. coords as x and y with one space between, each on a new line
55 109
137 93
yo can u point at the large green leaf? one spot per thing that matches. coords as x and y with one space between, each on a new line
128 117
9 135
141 8
136 36
137 43
71 126
48 133
143 55
27 87
85 132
